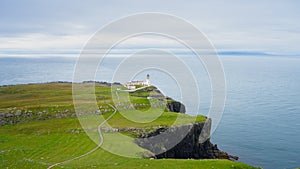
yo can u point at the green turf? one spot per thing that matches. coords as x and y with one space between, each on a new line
42 143
56 98
47 136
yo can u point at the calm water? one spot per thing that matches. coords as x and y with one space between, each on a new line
260 123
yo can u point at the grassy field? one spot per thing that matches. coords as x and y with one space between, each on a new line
52 100
47 137
41 143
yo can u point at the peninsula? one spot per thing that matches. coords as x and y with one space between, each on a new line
39 127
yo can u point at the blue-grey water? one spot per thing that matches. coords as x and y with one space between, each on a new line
261 121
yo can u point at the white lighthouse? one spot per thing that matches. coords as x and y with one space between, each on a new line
148 80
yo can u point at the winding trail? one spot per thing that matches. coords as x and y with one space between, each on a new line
91 151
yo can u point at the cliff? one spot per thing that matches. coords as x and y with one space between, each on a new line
194 142
175 106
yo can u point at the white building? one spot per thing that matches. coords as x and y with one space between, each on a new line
134 84
148 80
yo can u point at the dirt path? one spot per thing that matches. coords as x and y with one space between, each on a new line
93 150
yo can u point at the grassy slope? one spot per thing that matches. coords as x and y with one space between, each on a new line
55 97
37 144
42 143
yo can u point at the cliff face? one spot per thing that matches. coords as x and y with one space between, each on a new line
186 141
176 106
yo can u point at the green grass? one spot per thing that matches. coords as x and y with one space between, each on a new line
42 143
56 98
39 94
44 95
165 119
143 92
36 143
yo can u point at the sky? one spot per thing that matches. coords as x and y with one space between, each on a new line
62 27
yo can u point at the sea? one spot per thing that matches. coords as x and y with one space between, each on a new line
261 119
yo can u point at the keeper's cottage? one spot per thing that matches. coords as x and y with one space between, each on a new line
132 85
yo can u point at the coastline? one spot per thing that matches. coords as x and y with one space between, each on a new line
50 86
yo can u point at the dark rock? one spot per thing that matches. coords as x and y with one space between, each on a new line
2 123
183 142
117 84
233 157
8 115
175 106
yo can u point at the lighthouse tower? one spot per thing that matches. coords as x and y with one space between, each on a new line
148 80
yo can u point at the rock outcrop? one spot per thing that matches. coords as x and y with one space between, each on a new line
185 141
14 116
175 106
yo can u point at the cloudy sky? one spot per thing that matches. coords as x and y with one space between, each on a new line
48 27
